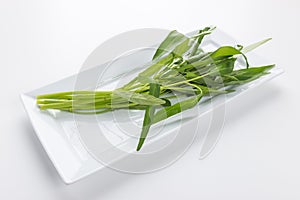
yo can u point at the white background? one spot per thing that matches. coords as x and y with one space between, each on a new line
258 155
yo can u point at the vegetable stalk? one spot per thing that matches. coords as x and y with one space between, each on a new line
180 68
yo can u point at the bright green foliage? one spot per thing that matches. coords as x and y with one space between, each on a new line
180 68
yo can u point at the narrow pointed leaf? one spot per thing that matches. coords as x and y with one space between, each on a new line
227 51
170 42
138 98
157 66
255 45
148 117
243 76
201 34
182 47
176 108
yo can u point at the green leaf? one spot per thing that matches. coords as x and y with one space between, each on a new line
243 76
199 37
180 49
208 81
148 117
227 51
189 75
138 98
145 79
176 108
226 66
157 66
180 106
150 71
170 42
255 45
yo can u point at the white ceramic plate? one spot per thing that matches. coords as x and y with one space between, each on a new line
59 135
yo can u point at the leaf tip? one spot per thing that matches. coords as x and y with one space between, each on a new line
140 144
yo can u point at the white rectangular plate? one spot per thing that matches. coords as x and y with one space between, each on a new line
60 137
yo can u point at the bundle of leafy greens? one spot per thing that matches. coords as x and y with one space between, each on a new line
179 68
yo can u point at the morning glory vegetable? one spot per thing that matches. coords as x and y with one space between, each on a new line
180 75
